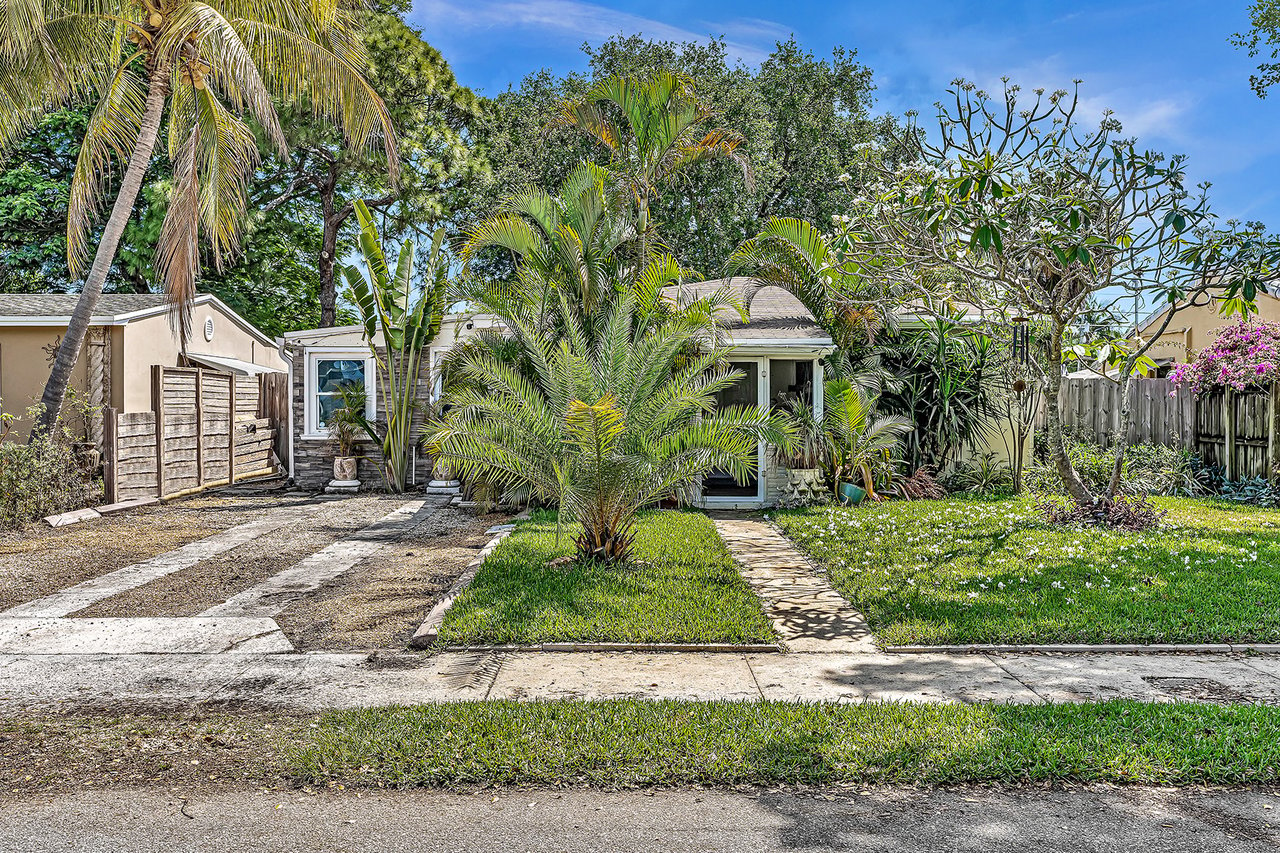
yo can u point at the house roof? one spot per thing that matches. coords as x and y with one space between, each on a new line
775 315
113 309
111 306
227 364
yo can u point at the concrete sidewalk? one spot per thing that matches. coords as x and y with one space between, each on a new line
320 681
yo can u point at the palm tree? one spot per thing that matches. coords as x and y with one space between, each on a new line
654 128
601 429
573 257
842 295
858 433
211 63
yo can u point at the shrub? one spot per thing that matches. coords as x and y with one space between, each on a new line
1245 355
39 479
1251 490
981 475
1149 469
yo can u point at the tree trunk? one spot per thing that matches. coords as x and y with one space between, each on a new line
1122 441
1057 450
73 340
327 269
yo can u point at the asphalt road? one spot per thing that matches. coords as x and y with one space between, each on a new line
1094 819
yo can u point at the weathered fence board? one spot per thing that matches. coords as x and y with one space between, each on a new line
205 428
1237 431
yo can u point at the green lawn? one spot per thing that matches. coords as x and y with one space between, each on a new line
682 587
625 743
961 571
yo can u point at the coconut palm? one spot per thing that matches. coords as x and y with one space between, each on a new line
601 428
843 296
654 129
211 63
858 433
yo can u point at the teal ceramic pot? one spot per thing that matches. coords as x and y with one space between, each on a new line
851 494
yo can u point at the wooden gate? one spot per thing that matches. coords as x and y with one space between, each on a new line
205 429
1237 431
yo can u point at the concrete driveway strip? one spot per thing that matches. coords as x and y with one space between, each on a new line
78 597
868 820
307 575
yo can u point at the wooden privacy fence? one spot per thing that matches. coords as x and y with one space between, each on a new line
204 429
1091 407
1234 430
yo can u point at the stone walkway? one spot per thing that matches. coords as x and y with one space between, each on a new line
807 613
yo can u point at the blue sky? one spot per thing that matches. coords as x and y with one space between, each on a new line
1165 68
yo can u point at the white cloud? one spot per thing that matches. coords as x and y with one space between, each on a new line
749 39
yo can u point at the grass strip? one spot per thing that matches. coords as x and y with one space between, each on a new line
643 743
683 587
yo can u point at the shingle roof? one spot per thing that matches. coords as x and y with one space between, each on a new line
62 304
775 314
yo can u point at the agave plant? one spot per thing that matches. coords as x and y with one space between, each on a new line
858 432
600 428
400 317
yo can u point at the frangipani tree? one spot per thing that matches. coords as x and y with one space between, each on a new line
401 314
1043 215
207 65
599 427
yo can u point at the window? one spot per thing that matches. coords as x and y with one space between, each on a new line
327 373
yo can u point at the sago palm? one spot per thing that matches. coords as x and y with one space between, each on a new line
654 128
601 429
212 63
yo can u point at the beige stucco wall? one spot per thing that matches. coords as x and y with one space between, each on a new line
25 365
1193 329
151 340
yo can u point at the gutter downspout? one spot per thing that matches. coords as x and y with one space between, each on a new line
288 359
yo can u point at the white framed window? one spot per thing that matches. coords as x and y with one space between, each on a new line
327 372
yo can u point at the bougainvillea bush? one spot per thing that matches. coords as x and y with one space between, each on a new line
1246 355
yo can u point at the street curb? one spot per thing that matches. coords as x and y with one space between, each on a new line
715 648
429 630
1099 649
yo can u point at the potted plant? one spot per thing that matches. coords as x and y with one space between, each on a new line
345 429
806 459
859 436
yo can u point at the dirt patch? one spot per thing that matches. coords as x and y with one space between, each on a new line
39 560
210 582
72 752
382 601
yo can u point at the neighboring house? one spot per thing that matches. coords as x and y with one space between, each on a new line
323 360
1192 329
779 352
128 333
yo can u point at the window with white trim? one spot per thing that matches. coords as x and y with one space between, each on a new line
327 373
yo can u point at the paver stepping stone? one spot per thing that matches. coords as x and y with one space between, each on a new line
808 614
78 597
307 575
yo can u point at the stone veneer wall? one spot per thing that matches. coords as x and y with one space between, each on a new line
313 458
